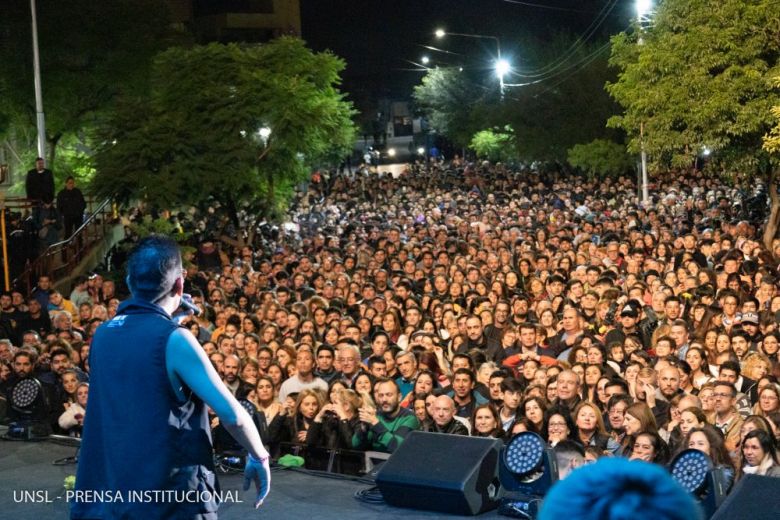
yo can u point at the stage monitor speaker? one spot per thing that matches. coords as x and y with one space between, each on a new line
440 472
754 497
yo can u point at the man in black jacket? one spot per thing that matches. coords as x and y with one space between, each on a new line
444 417
71 204
39 184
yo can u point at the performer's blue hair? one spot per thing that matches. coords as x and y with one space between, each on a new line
153 267
618 489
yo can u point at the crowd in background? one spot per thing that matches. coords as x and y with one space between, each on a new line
467 299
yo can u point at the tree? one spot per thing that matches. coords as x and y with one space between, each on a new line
495 145
564 105
90 54
243 124
544 104
701 77
772 146
447 98
600 157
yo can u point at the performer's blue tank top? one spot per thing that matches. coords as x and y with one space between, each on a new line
140 441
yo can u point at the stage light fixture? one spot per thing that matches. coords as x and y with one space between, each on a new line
28 411
527 471
694 471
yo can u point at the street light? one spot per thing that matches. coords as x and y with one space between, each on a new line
441 33
643 8
425 60
502 67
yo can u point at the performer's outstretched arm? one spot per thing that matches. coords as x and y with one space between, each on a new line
187 363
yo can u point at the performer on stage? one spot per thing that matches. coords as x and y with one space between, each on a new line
146 432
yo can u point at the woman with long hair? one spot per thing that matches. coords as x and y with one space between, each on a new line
637 418
769 346
590 427
709 440
759 455
264 398
424 383
278 375
295 426
593 373
435 362
650 447
486 422
549 322
393 326
696 358
768 400
533 411
336 422
558 426
285 356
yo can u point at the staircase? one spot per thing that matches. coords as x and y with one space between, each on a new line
65 259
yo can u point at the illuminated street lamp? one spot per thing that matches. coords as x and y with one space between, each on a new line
425 60
500 63
502 69
643 8
264 133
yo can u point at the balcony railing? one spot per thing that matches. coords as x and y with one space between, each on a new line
61 258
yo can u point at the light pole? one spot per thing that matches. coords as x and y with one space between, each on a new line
41 122
502 68
643 9
501 65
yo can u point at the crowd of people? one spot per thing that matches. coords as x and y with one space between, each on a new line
467 299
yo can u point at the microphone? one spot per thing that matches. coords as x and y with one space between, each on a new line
188 305
186 308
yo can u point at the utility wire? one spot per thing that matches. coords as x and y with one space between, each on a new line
585 60
571 51
568 77
550 7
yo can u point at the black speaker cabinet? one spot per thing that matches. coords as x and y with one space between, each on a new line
446 473
754 498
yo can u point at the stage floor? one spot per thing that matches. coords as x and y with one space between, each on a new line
28 467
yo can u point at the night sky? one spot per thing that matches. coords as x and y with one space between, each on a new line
376 37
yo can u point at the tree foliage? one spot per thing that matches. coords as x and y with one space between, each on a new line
701 77
90 54
198 133
564 106
495 145
772 139
448 98
550 107
600 158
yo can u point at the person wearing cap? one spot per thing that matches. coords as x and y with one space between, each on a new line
750 325
629 318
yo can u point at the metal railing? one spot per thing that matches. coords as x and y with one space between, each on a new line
60 259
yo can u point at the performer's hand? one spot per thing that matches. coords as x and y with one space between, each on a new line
258 471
